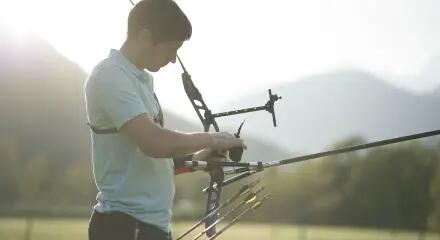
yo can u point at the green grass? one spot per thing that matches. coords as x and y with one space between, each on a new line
66 229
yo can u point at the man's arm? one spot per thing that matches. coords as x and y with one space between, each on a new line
115 93
160 142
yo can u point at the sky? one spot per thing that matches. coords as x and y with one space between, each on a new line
243 46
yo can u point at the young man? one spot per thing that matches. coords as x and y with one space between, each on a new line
131 150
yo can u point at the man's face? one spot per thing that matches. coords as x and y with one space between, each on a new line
160 54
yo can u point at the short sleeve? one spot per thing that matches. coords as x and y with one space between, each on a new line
117 95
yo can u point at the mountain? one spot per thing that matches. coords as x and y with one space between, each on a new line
322 109
420 83
42 103
432 73
42 108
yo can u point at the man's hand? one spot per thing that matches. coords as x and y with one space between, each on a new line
222 141
211 156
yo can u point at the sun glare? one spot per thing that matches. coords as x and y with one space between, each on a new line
292 40
16 19
77 29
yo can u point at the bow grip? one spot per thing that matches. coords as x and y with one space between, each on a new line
236 153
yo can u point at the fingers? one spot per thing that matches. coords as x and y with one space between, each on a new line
216 159
223 141
202 154
220 156
219 153
210 155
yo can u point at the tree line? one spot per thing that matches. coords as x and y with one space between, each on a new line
394 187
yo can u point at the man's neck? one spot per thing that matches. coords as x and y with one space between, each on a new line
132 54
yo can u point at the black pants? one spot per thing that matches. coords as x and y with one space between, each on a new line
120 226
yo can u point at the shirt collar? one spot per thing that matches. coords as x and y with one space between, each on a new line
140 74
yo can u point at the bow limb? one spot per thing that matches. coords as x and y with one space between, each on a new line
216 173
195 97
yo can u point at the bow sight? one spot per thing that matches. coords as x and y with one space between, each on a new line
208 118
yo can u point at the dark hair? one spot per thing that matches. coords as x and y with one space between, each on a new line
163 18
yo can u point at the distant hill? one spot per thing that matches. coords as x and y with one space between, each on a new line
432 73
42 108
42 103
322 109
423 82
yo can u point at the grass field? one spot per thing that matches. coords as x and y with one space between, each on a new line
69 229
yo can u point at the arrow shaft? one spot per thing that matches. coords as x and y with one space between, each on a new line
245 189
238 167
238 217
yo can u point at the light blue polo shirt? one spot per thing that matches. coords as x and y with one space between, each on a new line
127 180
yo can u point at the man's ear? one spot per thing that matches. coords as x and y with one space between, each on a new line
145 37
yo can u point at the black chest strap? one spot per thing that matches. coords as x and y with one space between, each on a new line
103 131
158 119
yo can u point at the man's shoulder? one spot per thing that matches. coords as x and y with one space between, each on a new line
106 66
106 72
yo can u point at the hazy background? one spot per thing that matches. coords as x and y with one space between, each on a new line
349 72
254 45
245 47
